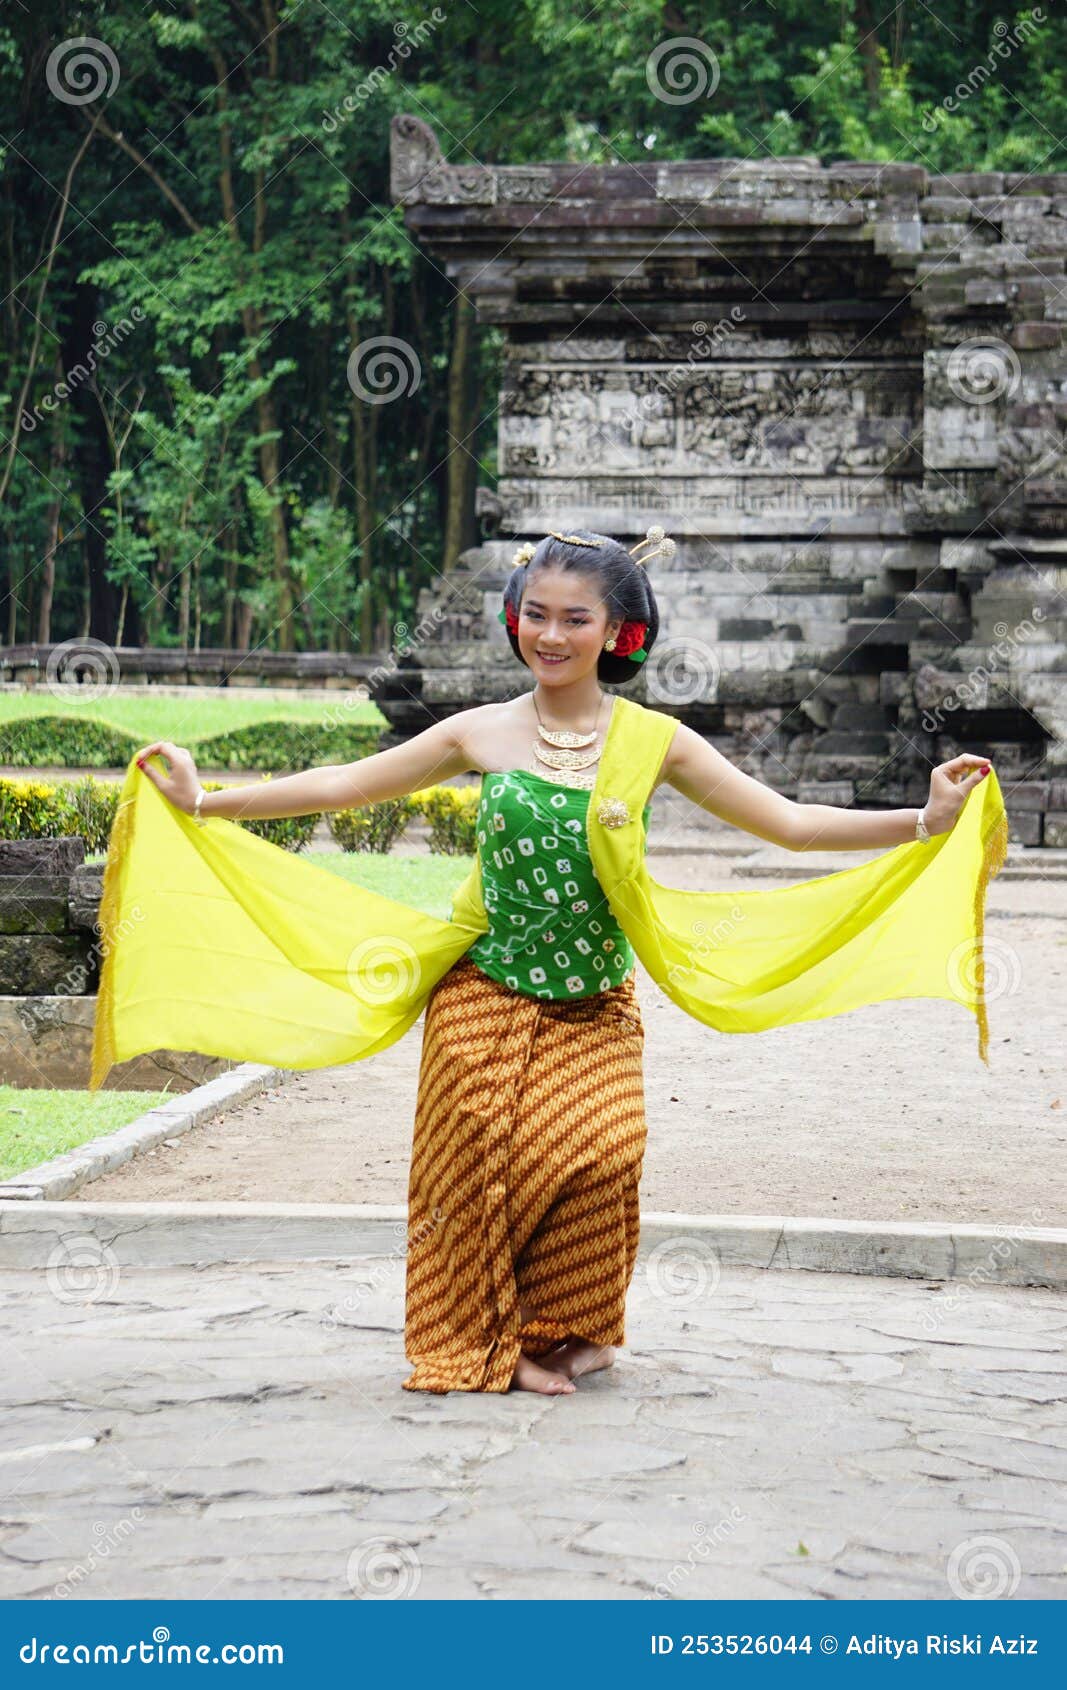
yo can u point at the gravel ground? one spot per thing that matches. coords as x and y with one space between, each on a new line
882 1114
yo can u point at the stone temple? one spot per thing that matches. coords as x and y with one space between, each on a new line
841 389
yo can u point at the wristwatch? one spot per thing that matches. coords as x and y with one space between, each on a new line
922 832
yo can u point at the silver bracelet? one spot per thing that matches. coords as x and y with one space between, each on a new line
197 817
922 832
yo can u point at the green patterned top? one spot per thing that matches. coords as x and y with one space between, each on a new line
551 931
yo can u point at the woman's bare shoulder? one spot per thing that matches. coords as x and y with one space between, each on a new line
477 728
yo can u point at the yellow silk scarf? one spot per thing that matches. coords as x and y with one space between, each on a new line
214 940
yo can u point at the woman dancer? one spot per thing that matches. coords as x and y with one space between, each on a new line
530 1129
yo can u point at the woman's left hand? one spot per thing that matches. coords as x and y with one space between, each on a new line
949 785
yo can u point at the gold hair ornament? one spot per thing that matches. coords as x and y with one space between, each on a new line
657 537
574 539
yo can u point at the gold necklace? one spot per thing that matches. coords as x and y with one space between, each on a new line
565 751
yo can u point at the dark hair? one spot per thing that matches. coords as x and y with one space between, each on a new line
624 587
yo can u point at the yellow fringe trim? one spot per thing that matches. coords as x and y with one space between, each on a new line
119 842
994 855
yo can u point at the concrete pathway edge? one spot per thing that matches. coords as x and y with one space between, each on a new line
67 1173
43 1234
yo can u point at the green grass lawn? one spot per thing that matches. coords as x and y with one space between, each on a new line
426 883
37 1125
193 714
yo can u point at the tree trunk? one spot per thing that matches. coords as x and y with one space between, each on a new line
867 27
462 475
48 562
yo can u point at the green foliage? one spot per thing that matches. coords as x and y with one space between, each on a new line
89 808
452 812
30 809
372 827
232 228
33 809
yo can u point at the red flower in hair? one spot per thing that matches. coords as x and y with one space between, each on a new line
630 637
512 619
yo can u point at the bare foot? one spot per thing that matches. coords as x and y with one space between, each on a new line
529 1375
576 1356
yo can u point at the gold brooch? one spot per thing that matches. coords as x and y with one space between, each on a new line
612 812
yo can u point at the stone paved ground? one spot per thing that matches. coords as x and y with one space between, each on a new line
241 1432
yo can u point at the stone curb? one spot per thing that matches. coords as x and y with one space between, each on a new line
49 1181
199 1234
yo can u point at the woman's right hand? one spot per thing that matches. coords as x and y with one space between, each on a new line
182 784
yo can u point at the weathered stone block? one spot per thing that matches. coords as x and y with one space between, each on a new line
45 963
1033 337
1028 795
1055 833
33 903
1024 826
41 856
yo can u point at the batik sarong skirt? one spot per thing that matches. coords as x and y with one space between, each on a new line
523 1194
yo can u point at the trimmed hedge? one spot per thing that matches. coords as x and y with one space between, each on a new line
372 827
452 812
84 742
35 809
